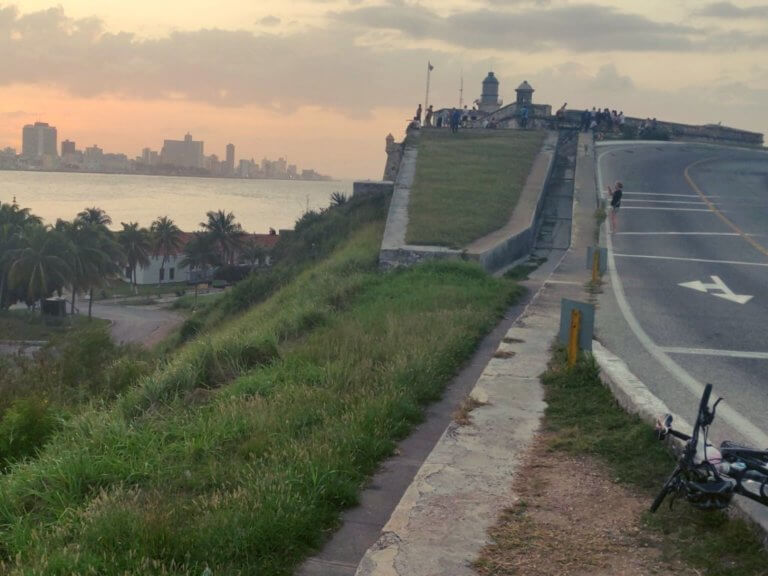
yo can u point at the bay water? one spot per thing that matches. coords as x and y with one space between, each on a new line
257 204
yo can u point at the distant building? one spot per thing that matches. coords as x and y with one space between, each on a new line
93 157
185 153
489 99
155 273
39 140
150 157
524 94
229 164
68 147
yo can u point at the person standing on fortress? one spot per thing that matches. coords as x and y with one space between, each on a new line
524 116
455 119
417 118
615 193
428 117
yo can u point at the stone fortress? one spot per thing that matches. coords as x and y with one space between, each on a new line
489 112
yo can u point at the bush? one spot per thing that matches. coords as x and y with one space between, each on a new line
124 373
25 427
190 328
81 357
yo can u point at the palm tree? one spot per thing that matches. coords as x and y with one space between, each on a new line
200 252
225 232
13 220
109 265
95 216
39 267
137 247
166 239
253 251
82 253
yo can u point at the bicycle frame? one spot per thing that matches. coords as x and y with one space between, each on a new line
708 477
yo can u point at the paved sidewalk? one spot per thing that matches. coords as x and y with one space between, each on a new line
440 525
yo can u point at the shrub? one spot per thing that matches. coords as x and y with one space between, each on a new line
125 372
25 427
81 357
190 328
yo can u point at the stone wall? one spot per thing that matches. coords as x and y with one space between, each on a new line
372 187
394 158
714 133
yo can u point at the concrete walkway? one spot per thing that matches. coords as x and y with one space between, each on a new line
440 524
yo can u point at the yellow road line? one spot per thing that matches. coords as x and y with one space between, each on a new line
754 243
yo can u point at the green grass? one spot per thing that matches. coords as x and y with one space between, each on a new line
120 289
25 325
586 419
522 271
203 301
468 184
240 452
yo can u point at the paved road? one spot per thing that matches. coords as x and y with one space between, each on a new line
146 325
694 215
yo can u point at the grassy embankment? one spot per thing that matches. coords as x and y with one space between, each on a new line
240 452
467 184
583 418
24 325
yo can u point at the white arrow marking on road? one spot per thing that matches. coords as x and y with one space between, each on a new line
717 284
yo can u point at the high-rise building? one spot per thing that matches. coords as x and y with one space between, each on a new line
229 165
39 140
185 153
68 147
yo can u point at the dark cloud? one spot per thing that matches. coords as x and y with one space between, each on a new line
270 21
728 10
318 67
577 27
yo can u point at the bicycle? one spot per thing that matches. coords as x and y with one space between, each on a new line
708 477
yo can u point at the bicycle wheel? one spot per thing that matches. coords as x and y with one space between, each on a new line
666 489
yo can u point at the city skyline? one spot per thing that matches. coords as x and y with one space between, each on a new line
324 82
40 150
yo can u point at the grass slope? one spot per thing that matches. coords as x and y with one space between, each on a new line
467 184
240 453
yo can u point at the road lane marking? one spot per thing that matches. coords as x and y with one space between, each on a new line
755 244
667 209
658 194
717 288
678 234
654 257
713 352
750 432
697 202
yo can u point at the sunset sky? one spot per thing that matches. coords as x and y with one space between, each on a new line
323 81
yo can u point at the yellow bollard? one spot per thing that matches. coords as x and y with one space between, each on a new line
573 340
595 266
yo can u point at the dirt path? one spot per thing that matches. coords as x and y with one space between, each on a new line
145 325
573 519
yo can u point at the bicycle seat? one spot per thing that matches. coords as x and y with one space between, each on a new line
715 487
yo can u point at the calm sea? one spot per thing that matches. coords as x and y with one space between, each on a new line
257 204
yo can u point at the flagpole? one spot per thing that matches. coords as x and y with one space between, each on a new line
426 98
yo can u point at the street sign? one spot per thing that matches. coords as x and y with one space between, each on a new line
717 288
